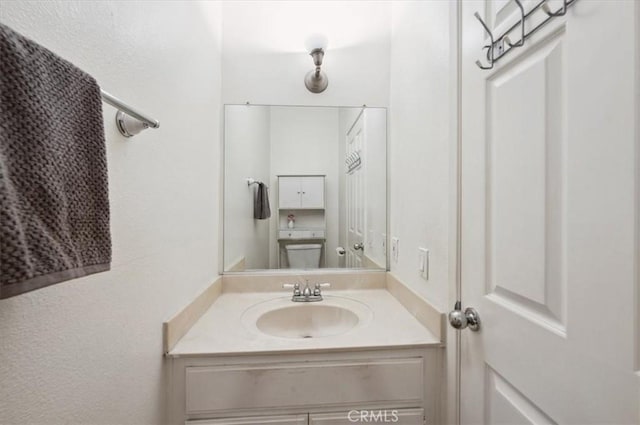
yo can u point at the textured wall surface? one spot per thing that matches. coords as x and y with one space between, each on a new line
89 351
265 61
420 143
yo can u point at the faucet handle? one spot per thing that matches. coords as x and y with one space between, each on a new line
316 291
295 286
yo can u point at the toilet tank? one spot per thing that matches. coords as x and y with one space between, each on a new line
303 256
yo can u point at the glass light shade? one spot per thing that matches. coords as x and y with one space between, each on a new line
316 41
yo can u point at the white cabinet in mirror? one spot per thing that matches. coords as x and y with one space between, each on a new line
325 172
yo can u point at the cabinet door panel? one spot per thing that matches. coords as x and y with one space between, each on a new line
394 416
289 192
255 420
312 192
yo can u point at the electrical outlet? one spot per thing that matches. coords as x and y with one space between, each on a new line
423 263
394 249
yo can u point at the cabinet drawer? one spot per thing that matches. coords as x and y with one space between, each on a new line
309 384
301 234
254 420
395 416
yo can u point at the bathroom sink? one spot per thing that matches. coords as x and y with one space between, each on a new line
307 321
285 319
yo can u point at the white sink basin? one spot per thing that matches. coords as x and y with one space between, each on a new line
286 319
307 321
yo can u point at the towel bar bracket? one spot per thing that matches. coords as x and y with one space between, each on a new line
129 126
128 120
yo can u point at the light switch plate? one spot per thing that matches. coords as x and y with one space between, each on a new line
394 249
423 263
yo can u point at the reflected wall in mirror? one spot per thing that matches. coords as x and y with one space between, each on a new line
305 187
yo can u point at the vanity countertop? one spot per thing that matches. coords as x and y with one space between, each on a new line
221 330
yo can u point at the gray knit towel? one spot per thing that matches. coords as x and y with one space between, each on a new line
54 206
261 208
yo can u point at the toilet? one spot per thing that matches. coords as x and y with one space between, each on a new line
303 256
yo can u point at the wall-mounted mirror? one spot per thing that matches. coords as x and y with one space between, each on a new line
304 187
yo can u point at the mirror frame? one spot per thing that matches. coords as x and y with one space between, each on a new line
283 272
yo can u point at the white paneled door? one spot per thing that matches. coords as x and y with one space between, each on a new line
550 218
355 199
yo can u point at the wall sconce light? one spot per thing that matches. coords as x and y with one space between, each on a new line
316 80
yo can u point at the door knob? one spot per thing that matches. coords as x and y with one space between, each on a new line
359 246
461 319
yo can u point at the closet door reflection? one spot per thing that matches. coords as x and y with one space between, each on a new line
355 196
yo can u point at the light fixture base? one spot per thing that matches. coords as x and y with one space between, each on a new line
316 81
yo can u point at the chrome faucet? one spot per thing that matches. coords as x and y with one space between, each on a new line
306 295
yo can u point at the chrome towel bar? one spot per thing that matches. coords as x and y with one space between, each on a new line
129 121
251 181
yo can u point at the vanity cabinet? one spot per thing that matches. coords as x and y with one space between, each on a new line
315 388
301 192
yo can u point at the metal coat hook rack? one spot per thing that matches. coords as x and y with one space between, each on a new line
496 49
353 161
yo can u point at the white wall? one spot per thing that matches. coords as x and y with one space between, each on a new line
420 117
305 141
247 154
264 59
89 351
